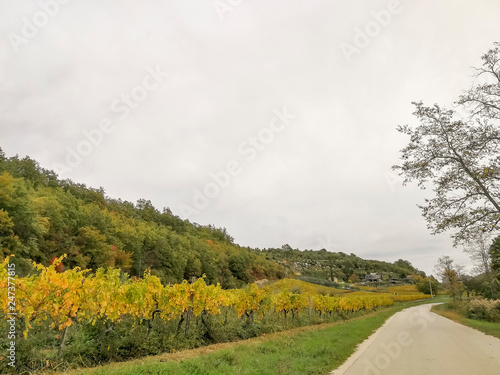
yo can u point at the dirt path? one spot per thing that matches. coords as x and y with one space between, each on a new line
416 341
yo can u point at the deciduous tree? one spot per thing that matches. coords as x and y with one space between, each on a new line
450 276
495 257
478 250
457 153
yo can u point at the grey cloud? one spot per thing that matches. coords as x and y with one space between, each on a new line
322 180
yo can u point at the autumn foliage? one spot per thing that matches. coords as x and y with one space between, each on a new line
75 295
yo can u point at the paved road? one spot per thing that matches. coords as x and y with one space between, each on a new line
416 341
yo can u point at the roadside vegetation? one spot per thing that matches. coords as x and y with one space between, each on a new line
74 318
308 350
474 300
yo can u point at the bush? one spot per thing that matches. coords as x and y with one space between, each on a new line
484 309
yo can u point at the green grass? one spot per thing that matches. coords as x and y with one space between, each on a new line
313 350
492 329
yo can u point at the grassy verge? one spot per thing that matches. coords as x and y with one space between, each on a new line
306 350
492 329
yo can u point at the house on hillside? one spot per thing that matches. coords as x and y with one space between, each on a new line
373 278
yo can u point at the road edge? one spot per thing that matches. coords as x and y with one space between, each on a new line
361 348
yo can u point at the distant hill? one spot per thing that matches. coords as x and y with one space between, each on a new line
42 217
317 265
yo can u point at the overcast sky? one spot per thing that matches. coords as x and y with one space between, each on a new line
274 119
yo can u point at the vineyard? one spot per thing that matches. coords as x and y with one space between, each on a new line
403 289
58 306
302 286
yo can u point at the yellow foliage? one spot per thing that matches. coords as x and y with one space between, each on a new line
403 289
302 286
76 295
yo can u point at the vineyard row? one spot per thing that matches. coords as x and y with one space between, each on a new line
77 296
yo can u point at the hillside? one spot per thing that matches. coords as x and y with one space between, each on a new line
43 217
317 265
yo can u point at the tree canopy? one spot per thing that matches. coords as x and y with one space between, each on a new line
456 152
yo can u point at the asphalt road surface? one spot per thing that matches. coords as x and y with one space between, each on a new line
416 341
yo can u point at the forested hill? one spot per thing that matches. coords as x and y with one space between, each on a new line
42 217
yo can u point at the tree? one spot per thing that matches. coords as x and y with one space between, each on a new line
9 242
484 99
479 252
459 157
354 278
192 269
238 265
92 244
450 276
423 285
495 257
477 285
